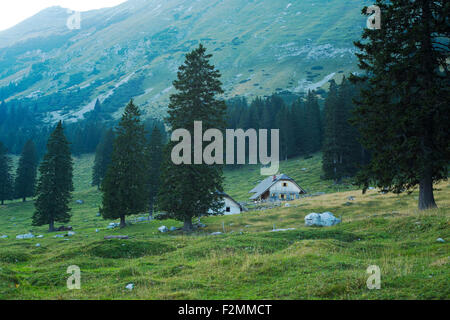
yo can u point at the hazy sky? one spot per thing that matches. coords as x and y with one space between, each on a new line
14 11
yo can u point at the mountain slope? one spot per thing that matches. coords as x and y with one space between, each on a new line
134 49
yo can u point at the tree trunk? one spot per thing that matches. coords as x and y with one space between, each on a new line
3 202
24 199
123 223
187 224
51 226
150 212
426 196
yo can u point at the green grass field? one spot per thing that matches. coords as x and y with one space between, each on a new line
248 261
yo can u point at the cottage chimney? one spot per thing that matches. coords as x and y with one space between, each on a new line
274 178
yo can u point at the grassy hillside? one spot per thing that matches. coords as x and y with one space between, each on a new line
248 261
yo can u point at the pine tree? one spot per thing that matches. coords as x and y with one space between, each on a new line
403 113
125 185
3 112
155 156
55 183
313 126
6 179
26 172
299 127
193 190
102 157
331 149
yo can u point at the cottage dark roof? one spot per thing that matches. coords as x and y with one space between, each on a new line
265 185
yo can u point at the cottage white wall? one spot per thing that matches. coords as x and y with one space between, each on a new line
290 188
234 208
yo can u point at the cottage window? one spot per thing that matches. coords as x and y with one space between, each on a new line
228 209
284 184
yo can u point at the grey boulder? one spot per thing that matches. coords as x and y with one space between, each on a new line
326 219
163 229
25 236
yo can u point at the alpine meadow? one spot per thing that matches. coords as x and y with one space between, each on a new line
226 150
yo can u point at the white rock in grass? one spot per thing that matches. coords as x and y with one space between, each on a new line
40 236
25 236
59 236
4 237
312 219
130 286
96 230
440 240
163 229
282 230
112 225
71 233
216 233
326 219
38 245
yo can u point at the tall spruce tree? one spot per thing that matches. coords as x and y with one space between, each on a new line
332 151
193 190
313 126
341 150
403 113
25 183
6 179
55 184
103 156
125 185
155 156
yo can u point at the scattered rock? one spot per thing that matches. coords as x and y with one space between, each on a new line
71 233
4 237
98 214
348 204
351 198
201 225
116 237
282 230
25 236
59 236
326 219
216 233
304 169
287 205
130 286
113 225
96 230
440 240
163 229
371 188
38 245
173 229
142 219
40 236
79 202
